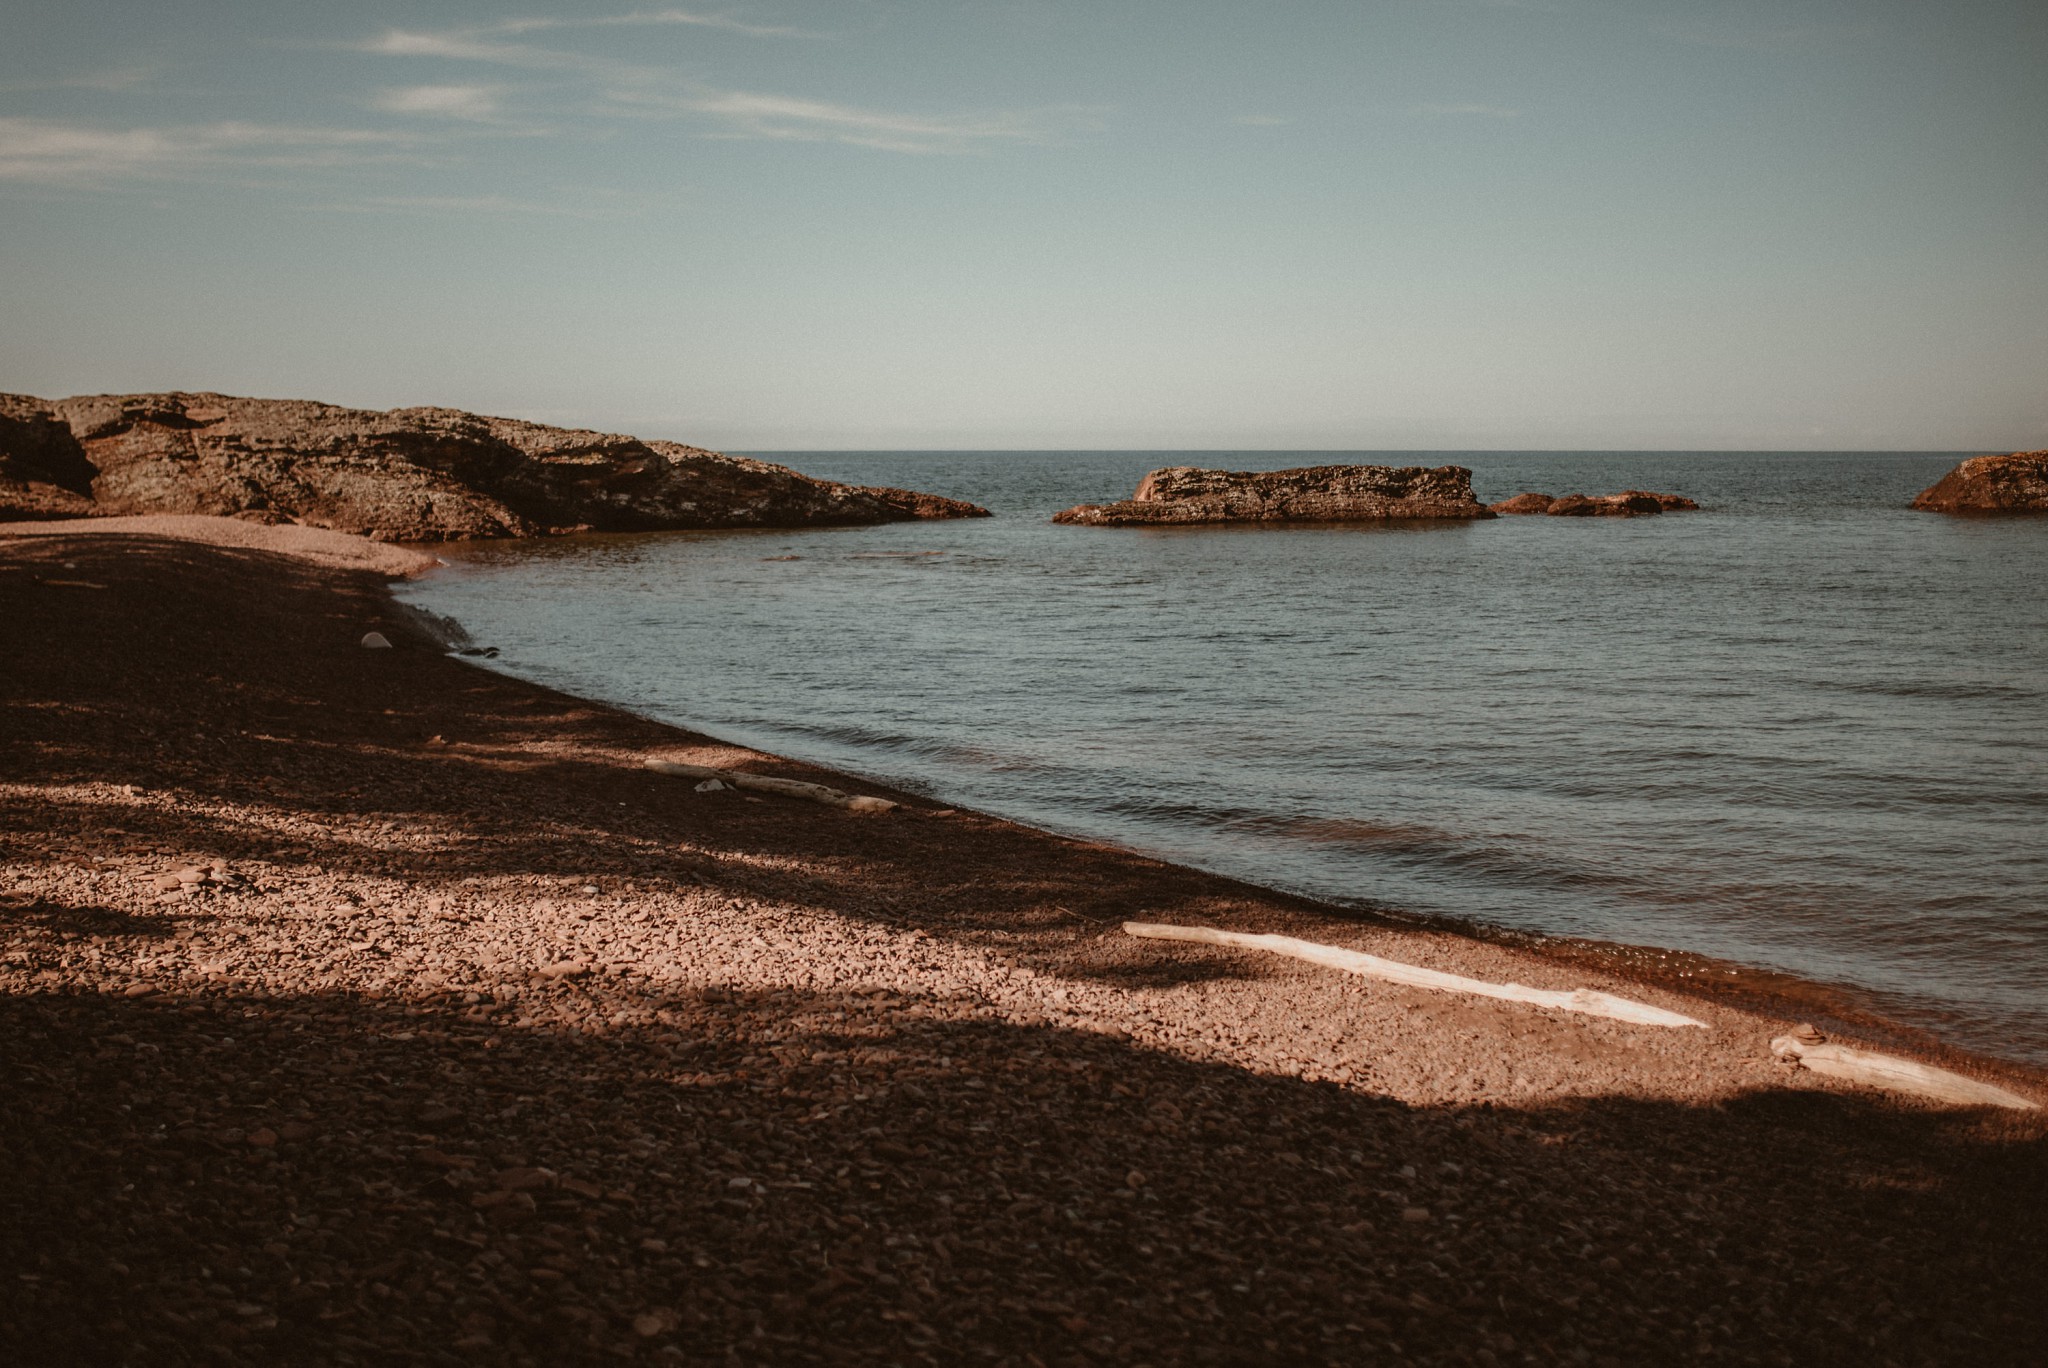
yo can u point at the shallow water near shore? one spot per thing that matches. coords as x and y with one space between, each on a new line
1805 728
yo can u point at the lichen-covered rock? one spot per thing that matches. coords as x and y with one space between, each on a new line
420 474
1630 503
1345 493
2014 483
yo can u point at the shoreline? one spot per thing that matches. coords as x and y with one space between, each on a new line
585 1010
1838 1007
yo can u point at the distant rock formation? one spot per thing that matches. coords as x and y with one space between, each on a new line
1630 503
419 474
1345 493
2015 483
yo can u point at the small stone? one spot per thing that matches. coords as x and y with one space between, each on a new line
376 641
263 1137
1415 1215
648 1324
711 786
524 1179
654 1246
439 1114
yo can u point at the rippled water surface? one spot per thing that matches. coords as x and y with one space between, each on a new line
1804 728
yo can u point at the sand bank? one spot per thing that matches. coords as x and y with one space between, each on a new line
365 1005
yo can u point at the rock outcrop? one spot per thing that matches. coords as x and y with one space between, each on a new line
1346 493
43 471
1630 503
419 474
2015 483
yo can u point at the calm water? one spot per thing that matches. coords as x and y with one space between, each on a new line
1805 728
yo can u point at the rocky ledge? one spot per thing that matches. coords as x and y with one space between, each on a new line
2015 483
417 474
1345 493
1630 503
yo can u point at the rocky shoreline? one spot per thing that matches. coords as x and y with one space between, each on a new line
408 475
364 1006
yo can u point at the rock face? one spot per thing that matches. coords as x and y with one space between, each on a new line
1354 493
43 471
2016 483
420 474
1630 503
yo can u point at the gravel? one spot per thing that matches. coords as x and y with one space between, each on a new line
365 1007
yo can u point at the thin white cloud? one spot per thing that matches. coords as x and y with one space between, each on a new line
485 43
746 114
1478 111
52 151
646 18
472 102
475 45
628 89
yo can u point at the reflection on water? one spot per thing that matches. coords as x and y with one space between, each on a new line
1805 727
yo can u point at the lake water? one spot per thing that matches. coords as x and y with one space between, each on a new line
1804 728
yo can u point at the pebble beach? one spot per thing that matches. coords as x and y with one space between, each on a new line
365 1006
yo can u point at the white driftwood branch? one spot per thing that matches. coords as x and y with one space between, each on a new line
1583 1000
1898 1075
788 788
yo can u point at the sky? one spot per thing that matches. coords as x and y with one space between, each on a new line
1276 224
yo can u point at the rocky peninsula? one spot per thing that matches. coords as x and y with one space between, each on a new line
2012 483
415 474
1190 495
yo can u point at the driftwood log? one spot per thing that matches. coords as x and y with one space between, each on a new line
1873 1070
788 788
1583 1000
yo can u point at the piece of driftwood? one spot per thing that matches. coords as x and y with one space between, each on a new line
1584 1000
788 788
1875 1070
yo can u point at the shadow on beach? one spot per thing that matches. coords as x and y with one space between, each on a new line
335 1168
831 1178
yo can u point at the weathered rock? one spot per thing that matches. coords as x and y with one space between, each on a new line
422 474
1630 503
2014 483
1354 493
43 471
1523 503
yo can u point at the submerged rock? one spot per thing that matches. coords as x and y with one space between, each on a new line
1630 503
2014 483
1344 493
420 474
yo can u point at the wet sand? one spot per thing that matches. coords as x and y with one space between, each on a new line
366 1006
